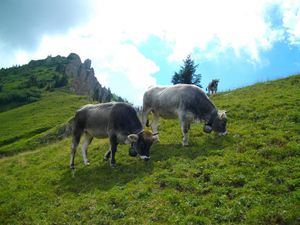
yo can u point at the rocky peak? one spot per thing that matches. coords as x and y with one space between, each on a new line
83 80
87 64
81 76
73 65
73 57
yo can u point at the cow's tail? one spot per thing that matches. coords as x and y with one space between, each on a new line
70 126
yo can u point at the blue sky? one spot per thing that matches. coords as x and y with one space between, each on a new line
134 44
233 71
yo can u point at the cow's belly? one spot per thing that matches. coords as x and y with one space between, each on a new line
177 114
97 133
168 114
100 134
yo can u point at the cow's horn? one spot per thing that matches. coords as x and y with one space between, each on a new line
133 138
207 129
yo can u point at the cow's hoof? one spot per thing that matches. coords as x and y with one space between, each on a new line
105 158
113 165
87 163
185 144
72 167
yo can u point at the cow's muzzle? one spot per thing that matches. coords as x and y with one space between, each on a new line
145 158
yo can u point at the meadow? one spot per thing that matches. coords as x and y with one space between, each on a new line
250 176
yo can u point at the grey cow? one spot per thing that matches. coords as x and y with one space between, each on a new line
213 86
187 102
117 121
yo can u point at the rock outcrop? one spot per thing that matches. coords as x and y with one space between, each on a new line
82 76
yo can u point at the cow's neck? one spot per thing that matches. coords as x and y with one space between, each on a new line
213 116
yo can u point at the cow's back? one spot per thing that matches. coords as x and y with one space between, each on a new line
94 119
169 101
103 119
124 119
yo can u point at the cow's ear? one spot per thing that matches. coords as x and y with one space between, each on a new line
132 138
222 115
155 138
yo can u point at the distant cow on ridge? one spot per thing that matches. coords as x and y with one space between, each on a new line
186 102
117 121
213 86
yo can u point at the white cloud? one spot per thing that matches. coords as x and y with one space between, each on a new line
191 24
291 20
117 28
112 59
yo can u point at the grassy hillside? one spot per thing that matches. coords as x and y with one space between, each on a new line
21 85
250 176
22 127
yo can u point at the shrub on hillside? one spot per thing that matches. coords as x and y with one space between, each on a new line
20 96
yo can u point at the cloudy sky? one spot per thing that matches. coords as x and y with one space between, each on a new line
134 44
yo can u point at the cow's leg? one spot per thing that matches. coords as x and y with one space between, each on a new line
154 125
185 129
75 142
87 140
113 149
185 126
107 154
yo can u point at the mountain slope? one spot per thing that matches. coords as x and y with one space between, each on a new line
250 176
38 97
22 127
21 85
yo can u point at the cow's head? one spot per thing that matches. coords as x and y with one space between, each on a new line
218 125
142 142
215 82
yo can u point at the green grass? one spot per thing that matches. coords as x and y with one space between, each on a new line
250 176
22 127
21 85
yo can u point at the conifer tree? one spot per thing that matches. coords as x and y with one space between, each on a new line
187 73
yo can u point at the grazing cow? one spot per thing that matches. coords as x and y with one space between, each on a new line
213 86
117 121
187 102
